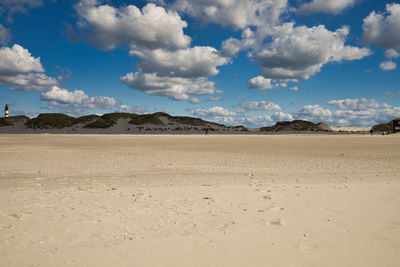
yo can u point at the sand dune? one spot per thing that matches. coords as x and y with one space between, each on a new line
119 200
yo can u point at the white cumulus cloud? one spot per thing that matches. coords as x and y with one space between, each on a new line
151 27
325 6
260 83
391 53
168 66
224 116
17 60
260 105
383 28
280 116
357 103
76 101
177 88
20 70
365 112
300 52
133 109
387 65
31 82
198 61
237 14
216 111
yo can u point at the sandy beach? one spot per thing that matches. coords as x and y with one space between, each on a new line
196 200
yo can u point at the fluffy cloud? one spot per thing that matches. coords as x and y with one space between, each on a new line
325 6
383 29
152 27
232 46
391 53
280 116
299 52
227 117
261 105
194 100
238 14
357 112
211 112
17 60
285 51
177 88
177 74
31 82
313 113
294 88
199 61
133 109
19 69
250 121
168 66
76 101
350 112
359 104
260 83
387 65
214 98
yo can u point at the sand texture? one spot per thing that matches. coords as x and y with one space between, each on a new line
196 200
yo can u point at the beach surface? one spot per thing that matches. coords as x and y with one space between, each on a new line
196 200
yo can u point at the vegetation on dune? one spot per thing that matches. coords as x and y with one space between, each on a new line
384 127
114 117
189 120
50 120
9 121
324 126
85 119
5 122
59 121
108 120
241 128
98 124
147 119
294 126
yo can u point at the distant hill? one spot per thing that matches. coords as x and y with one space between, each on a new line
156 123
384 127
114 123
297 126
9 121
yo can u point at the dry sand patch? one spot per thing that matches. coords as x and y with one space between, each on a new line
107 200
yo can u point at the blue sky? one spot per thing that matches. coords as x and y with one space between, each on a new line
230 61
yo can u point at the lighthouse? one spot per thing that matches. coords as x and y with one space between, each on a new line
6 111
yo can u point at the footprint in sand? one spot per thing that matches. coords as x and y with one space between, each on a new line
16 216
276 222
277 208
306 243
20 216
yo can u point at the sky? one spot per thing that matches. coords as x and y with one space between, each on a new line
236 62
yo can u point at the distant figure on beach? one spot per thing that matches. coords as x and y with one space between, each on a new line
206 131
371 132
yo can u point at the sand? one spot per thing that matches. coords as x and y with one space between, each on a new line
350 129
119 200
